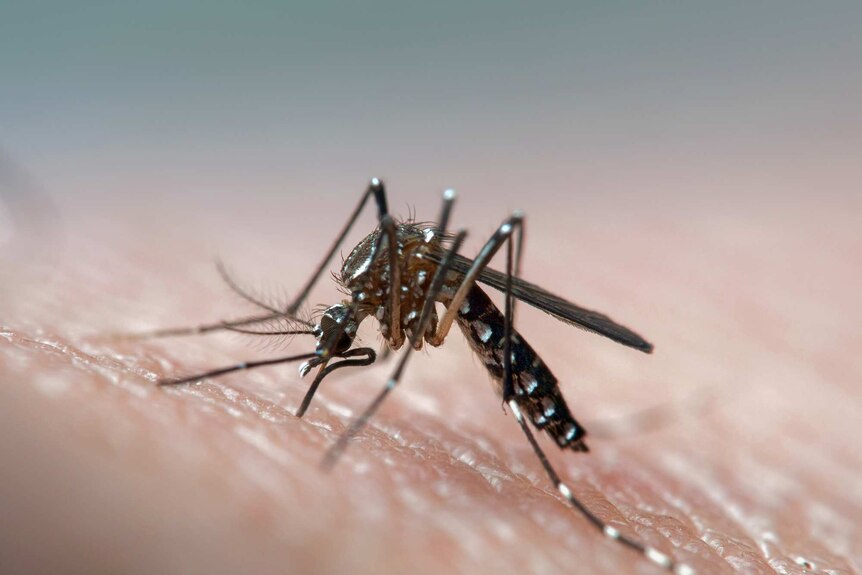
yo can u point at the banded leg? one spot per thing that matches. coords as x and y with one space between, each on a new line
376 189
482 260
513 258
443 221
651 553
395 333
424 319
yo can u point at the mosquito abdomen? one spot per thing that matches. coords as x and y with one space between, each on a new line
536 388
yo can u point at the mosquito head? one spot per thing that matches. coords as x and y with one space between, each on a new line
336 330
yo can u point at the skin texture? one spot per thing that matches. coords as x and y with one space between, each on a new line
104 472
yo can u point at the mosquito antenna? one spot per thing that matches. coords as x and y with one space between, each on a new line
288 332
203 328
512 267
228 279
340 445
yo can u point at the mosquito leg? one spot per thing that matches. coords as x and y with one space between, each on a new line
445 211
416 336
369 358
395 333
236 367
376 189
513 261
513 268
650 553
480 263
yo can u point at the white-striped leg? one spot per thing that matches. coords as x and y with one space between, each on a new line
395 332
513 269
443 220
356 426
658 557
375 189
482 260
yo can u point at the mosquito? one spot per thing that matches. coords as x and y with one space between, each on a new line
397 274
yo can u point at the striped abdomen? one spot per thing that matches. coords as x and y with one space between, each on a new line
536 389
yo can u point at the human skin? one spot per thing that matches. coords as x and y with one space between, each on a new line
105 472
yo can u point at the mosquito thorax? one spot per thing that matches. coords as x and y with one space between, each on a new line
366 276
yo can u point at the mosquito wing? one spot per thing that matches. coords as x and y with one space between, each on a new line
558 307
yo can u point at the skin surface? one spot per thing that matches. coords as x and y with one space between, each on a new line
104 472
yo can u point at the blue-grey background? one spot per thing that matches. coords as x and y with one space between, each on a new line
646 104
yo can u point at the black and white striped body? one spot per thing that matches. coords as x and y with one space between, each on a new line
536 389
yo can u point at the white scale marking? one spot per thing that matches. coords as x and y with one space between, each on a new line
485 331
658 557
651 553
362 269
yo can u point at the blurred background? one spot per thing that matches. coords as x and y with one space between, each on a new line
732 105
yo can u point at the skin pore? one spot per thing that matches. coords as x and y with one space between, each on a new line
105 472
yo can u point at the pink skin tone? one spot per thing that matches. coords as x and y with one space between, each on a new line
103 472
